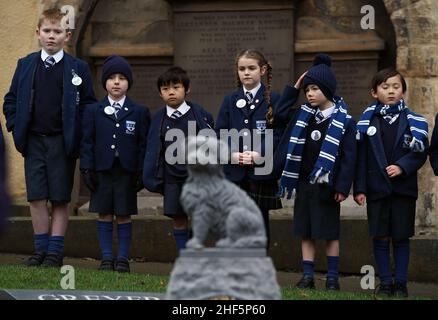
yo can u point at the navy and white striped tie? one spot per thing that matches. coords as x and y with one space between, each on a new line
391 118
176 114
117 108
319 117
49 62
249 96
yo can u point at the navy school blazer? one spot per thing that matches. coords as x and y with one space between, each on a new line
433 150
18 102
103 134
371 177
344 167
153 168
232 117
285 108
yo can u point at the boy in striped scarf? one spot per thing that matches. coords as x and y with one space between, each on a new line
317 155
392 147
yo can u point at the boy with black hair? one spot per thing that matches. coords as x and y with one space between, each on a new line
392 147
158 175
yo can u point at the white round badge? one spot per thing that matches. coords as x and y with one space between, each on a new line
315 135
252 107
77 81
241 103
126 109
371 131
109 110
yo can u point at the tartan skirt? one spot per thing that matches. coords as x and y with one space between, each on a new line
263 192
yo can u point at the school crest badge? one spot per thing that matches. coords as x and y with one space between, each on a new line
261 126
407 139
130 127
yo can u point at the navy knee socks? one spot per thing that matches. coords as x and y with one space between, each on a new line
382 255
105 235
124 234
401 259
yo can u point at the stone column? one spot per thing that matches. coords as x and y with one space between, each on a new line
416 27
22 16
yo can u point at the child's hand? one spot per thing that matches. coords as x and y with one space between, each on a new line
299 81
360 199
339 197
253 156
247 158
393 171
240 158
235 158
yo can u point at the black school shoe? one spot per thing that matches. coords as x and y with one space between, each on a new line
306 283
107 265
36 259
400 290
385 290
53 259
122 265
332 284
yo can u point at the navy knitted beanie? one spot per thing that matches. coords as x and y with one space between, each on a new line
322 75
116 64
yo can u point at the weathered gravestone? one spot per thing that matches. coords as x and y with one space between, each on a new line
238 267
208 36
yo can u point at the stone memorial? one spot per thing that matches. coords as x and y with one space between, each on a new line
238 267
208 38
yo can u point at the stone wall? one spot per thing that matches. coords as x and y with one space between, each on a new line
142 32
416 27
413 25
19 19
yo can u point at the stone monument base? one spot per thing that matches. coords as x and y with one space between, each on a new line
216 273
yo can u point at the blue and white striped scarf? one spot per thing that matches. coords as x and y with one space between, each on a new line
417 124
323 169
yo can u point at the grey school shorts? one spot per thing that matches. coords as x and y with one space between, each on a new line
49 172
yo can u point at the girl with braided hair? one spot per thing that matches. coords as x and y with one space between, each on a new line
249 110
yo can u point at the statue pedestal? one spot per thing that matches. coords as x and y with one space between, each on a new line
209 273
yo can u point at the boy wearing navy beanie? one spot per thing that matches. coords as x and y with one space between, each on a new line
112 152
317 155
322 76
116 64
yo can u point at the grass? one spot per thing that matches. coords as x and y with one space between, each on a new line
291 293
21 277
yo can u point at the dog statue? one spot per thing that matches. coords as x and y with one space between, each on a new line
216 205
